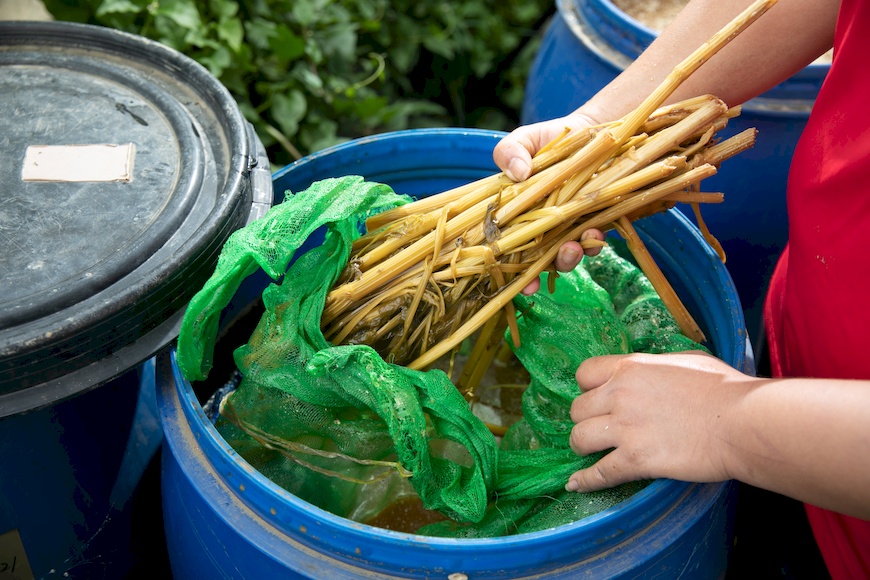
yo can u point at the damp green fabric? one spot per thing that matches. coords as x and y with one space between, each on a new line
347 431
270 244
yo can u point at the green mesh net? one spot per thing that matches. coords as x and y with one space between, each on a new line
383 444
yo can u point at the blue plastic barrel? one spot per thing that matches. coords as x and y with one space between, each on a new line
226 520
100 256
589 42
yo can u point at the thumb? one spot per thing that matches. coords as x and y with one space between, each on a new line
513 154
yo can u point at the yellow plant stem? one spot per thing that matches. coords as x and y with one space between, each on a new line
664 289
484 351
534 270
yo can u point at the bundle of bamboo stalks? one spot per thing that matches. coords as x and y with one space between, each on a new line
430 274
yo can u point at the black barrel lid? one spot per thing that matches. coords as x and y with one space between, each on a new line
124 166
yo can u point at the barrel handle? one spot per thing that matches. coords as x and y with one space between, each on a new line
261 177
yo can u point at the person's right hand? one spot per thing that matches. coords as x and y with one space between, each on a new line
513 155
664 415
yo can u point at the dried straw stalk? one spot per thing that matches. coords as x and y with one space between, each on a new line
431 273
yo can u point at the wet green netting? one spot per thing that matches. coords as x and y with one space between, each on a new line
340 427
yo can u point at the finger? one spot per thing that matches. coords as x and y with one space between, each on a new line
613 469
595 434
592 235
607 472
593 403
533 287
570 254
513 154
597 370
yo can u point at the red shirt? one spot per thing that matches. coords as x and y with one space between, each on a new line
817 312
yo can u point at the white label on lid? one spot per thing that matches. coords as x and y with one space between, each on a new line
13 560
78 163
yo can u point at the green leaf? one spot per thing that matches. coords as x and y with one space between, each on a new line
218 61
308 78
171 34
120 7
370 10
404 56
198 37
287 110
71 10
285 44
224 8
307 13
405 114
338 40
369 107
259 31
320 135
230 30
182 12
441 45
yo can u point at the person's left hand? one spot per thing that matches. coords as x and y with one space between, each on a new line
513 154
665 415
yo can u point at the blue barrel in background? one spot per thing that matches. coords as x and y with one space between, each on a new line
74 496
100 256
589 42
224 519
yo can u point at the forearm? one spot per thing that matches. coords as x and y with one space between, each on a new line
781 42
807 439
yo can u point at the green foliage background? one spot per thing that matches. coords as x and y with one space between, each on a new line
311 73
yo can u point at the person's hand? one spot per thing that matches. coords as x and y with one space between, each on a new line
665 415
513 155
